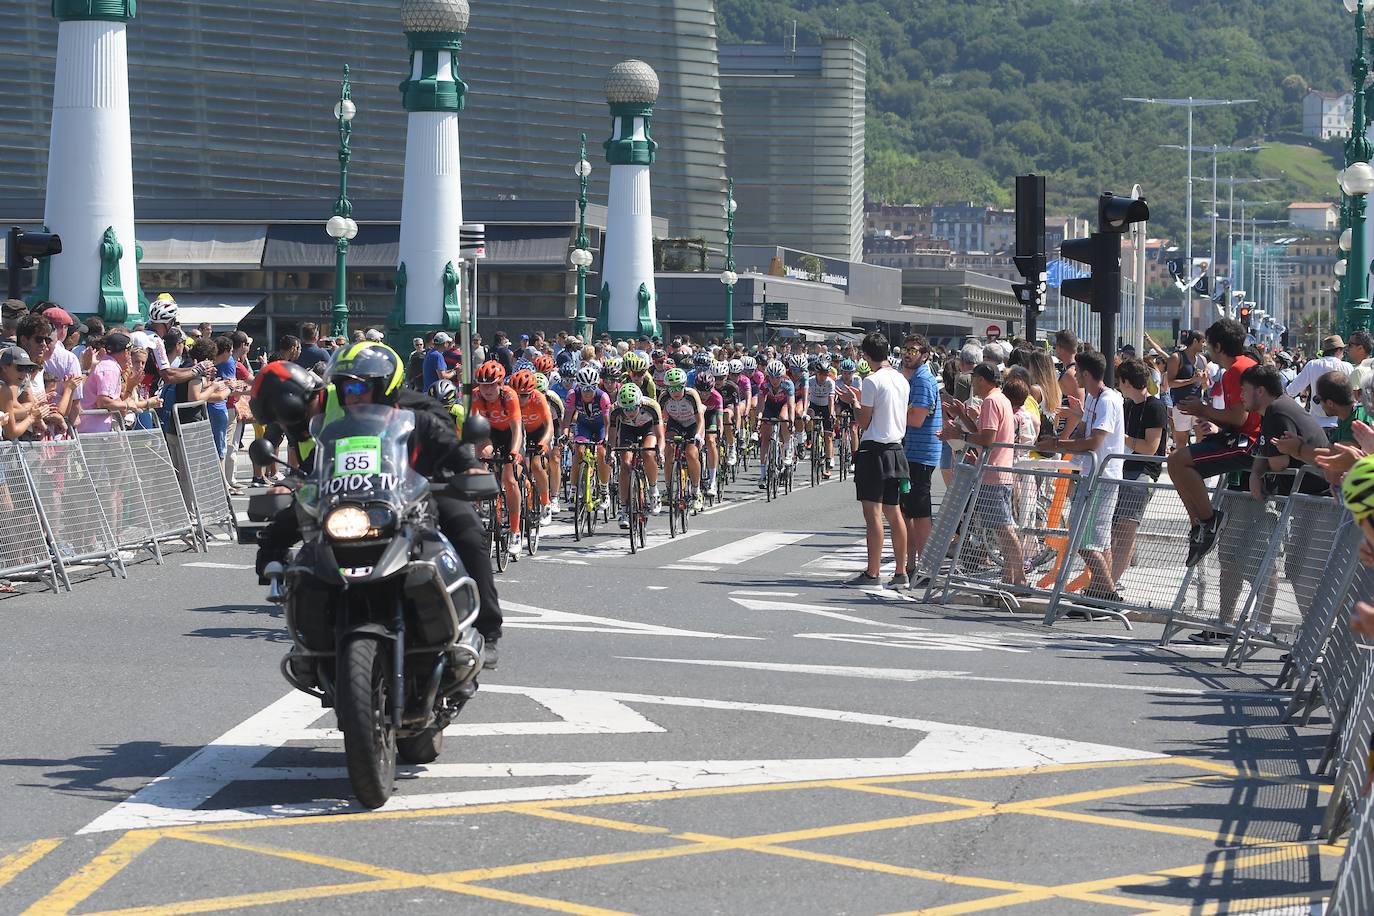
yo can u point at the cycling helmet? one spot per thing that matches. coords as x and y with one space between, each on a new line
705 379
659 354
1357 489
796 362
544 365
847 365
372 362
675 378
775 369
823 365
864 367
524 382
629 397
490 372
636 363
751 364
163 310
522 364
283 393
701 360
736 367
445 392
720 368
611 373
812 361
588 376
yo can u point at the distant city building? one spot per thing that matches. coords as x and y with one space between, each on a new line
1326 114
1314 217
794 137
908 251
1310 289
963 225
911 220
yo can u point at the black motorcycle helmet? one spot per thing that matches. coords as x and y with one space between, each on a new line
283 393
371 362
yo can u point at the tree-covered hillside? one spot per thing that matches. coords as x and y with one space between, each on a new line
965 94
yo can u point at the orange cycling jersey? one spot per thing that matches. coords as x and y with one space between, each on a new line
534 412
502 413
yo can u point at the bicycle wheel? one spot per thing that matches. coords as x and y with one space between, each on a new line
672 501
579 510
500 533
639 521
632 513
773 464
686 499
534 522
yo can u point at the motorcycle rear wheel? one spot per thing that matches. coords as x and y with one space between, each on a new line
369 738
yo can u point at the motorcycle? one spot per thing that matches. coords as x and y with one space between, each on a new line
378 605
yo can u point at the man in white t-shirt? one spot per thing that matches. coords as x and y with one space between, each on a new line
1331 360
880 467
1099 429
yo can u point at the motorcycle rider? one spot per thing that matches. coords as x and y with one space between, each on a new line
372 373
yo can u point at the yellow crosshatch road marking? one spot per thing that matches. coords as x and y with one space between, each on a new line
1253 852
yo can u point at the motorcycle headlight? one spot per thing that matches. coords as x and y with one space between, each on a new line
347 523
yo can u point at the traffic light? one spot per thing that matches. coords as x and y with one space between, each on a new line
1244 314
1030 248
1102 253
23 248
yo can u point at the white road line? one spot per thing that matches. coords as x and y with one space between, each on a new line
815 610
620 545
690 568
204 565
904 674
767 594
529 617
750 548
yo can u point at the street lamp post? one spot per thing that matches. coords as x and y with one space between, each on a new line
728 275
341 227
581 256
1191 104
1357 181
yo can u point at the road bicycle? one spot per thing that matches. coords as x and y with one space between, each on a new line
637 507
495 516
586 500
818 468
843 454
531 507
773 469
679 496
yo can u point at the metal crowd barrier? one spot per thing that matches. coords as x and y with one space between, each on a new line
70 506
1016 527
202 474
24 538
1352 765
944 528
1353 894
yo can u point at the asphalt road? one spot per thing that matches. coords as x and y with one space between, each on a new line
714 725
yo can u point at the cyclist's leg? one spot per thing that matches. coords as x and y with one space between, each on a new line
650 443
693 452
627 462
512 496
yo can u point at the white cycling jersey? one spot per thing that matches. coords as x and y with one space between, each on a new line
820 393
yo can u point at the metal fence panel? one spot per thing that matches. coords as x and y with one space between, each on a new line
1141 529
116 481
1353 894
158 483
71 504
1341 566
1352 768
202 476
1015 538
945 527
23 543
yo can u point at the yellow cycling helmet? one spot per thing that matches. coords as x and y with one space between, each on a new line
1358 488
372 363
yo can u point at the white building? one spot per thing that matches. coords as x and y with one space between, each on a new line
1326 114
1315 217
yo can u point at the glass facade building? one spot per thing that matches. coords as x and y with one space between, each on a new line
234 98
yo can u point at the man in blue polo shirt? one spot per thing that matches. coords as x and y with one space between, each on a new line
922 444
435 365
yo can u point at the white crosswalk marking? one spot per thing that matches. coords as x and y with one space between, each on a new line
742 551
846 561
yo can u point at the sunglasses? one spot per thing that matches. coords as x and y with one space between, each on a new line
677 388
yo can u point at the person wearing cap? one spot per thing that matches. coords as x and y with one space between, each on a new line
1331 360
61 363
435 366
20 410
374 335
104 388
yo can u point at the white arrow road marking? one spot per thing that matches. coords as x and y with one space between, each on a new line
938 642
176 797
538 618
904 674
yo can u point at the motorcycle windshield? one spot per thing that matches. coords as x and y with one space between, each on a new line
361 454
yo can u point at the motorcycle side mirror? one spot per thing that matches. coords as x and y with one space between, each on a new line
262 452
476 429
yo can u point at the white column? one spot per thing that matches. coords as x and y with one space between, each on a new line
431 213
628 262
90 162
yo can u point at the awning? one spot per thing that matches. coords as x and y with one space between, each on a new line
223 312
527 246
308 247
203 245
808 336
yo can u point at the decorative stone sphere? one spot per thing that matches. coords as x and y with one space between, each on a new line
632 82
434 15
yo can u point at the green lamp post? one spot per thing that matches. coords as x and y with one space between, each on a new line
1357 182
581 256
728 275
341 227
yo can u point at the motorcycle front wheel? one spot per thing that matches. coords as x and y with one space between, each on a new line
369 738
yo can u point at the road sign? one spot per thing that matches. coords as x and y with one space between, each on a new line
994 332
775 311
